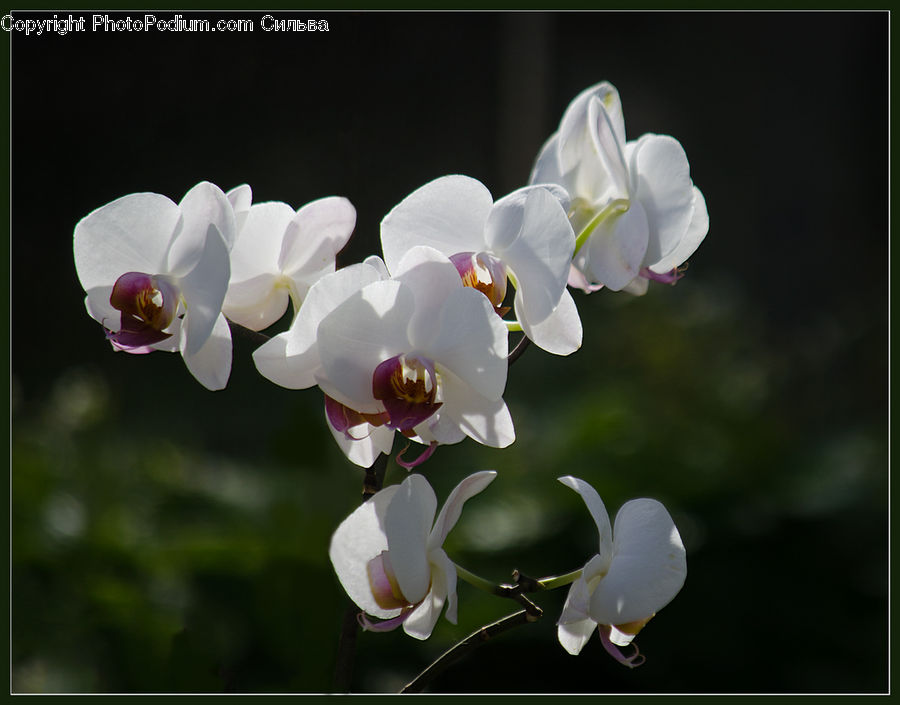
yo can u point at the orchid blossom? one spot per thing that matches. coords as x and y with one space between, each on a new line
639 568
291 359
418 353
279 254
524 237
156 272
391 561
636 213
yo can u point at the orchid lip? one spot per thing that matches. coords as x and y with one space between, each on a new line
407 385
484 272
148 304
342 418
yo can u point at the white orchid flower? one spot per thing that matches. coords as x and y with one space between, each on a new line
640 567
291 359
524 236
391 561
636 213
279 254
418 353
156 272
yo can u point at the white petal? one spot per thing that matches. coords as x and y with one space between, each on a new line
472 342
203 205
256 303
362 332
431 278
617 247
259 243
483 420
203 289
130 234
530 232
359 539
365 445
560 333
637 286
325 296
695 234
440 427
648 566
574 635
444 572
240 198
546 167
98 307
596 508
294 372
211 364
420 623
447 214
452 508
315 235
663 186
407 524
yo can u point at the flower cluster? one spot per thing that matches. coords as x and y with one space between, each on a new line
415 340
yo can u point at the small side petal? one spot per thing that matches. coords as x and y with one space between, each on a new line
695 234
204 205
486 421
314 236
617 247
203 289
561 332
452 508
596 508
574 635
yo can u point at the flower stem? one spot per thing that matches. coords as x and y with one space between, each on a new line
556 581
466 645
619 205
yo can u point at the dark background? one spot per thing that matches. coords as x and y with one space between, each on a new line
167 538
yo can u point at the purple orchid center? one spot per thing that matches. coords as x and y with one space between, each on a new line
486 273
407 385
343 418
148 305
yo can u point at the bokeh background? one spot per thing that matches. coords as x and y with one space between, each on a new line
167 538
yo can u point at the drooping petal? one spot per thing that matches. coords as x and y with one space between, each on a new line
211 364
431 278
366 329
358 539
648 566
574 635
664 188
407 523
578 599
617 247
203 289
452 508
560 333
696 232
314 236
130 234
204 205
444 572
272 362
484 420
447 214
421 622
597 510
530 232
472 342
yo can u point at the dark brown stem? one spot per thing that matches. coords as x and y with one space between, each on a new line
468 644
520 348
